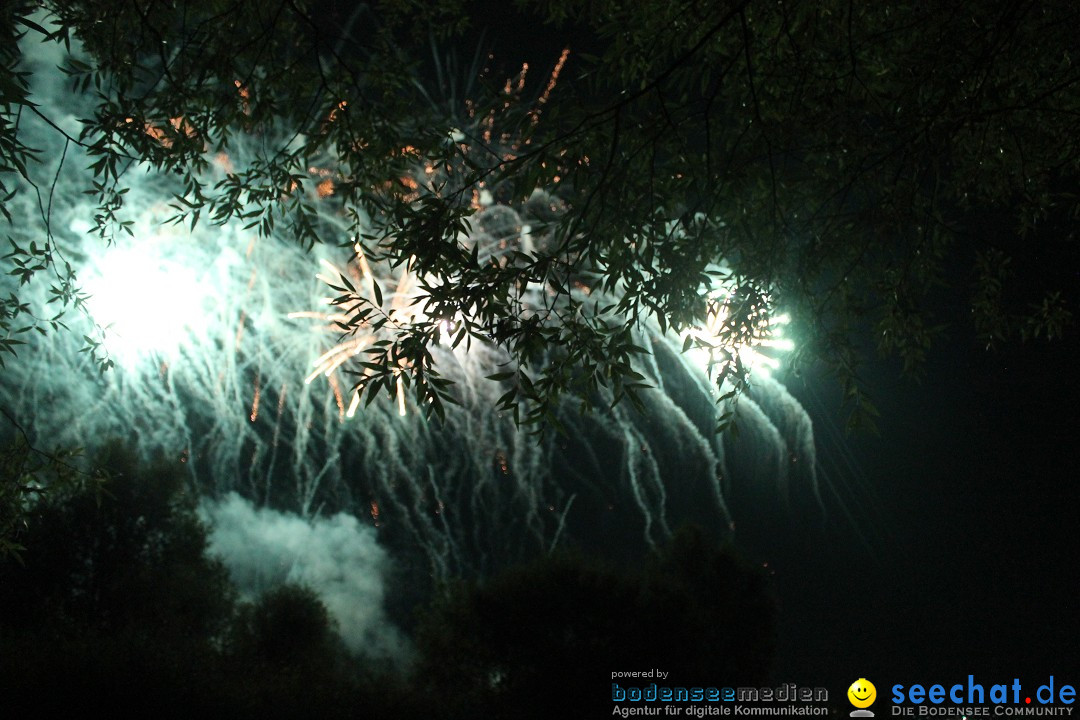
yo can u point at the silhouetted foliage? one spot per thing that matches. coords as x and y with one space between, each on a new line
542 640
288 625
26 475
114 595
127 555
114 604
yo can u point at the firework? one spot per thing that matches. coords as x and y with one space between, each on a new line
231 360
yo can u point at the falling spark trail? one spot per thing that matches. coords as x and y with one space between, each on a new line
470 495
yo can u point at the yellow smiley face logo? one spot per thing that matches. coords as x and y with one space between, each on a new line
862 693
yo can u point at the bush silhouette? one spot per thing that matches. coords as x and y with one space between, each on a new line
542 640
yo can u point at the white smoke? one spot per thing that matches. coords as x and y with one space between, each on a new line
335 556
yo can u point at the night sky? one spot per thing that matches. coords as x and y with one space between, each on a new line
971 496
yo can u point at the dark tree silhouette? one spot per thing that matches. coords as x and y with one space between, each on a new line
114 604
542 640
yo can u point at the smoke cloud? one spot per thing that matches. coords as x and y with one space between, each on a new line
335 556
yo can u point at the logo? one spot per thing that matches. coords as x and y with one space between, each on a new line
862 694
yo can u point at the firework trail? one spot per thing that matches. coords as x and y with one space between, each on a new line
228 360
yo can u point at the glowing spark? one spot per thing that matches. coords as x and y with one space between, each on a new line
239 329
146 303
534 115
336 387
555 75
336 356
255 401
280 411
756 349
400 397
360 258
245 96
353 404
327 363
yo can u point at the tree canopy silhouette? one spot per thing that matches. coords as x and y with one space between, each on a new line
113 602
542 640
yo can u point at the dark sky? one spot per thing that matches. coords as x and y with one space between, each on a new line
971 494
